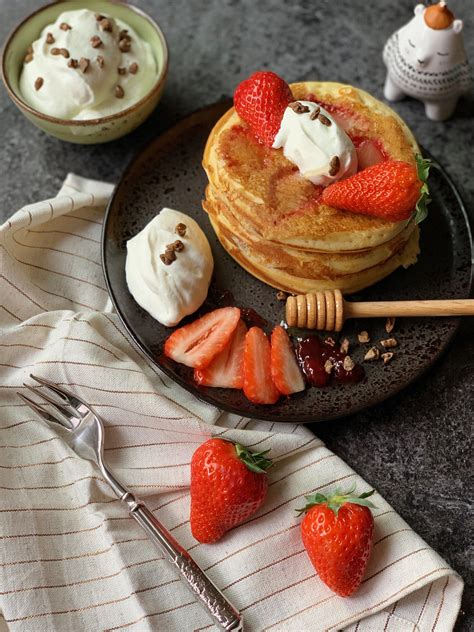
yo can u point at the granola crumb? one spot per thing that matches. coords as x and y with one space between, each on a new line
180 229
348 363
330 341
328 366
389 324
372 354
363 336
386 357
389 343
344 348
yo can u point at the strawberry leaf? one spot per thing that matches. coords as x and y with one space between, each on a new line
423 170
339 498
255 461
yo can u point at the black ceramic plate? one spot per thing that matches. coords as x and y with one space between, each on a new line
168 172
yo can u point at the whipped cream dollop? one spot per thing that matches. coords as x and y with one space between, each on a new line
169 291
315 143
87 66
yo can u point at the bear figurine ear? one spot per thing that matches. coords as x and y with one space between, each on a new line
419 9
457 26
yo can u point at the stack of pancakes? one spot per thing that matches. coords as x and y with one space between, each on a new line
272 221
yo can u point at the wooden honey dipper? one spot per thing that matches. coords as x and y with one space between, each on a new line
328 310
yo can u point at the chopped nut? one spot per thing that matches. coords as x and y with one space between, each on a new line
65 27
84 64
386 357
125 45
168 257
178 245
180 229
389 324
328 366
38 83
133 68
105 24
315 113
100 61
344 348
64 52
124 34
119 92
281 296
55 51
99 17
324 120
95 41
372 354
348 363
73 63
330 341
363 336
298 107
121 71
334 166
50 38
28 58
388 343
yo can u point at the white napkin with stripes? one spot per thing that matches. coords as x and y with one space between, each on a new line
71 558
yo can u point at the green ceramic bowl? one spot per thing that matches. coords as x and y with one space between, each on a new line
100 130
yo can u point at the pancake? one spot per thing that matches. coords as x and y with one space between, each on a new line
288 237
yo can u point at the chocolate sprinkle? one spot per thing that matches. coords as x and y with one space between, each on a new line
334 166
119 92
50 38
73 63
324 120
65 27
84 64
298 107
38 83
133 68
315 113
95 41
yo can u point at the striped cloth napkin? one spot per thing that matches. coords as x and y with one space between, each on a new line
71 558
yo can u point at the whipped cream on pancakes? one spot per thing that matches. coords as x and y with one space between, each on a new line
315 143
169 267
85 66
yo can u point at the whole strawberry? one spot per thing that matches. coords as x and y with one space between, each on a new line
228 484
391 190
261 101
337 533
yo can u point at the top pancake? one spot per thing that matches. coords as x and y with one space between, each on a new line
281 206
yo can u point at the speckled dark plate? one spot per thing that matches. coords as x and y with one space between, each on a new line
168 172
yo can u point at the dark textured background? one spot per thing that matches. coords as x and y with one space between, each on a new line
416 447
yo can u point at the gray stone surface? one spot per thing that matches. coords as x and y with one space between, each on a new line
415 448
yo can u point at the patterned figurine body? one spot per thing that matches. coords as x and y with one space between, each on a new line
426 59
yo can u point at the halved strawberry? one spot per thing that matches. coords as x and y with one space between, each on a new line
285 371
226 369
368 154
258 384
196 344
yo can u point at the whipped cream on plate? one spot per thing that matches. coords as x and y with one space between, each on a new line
315 143
87 66
169 290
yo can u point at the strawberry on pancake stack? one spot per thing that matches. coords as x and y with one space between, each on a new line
313 185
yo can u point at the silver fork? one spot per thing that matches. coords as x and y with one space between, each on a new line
83 431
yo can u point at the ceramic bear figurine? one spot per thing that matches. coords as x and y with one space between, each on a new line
425 59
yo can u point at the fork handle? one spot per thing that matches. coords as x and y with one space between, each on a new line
222 611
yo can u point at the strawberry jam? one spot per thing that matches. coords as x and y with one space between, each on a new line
313 354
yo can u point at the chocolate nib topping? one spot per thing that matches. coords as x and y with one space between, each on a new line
100 61
119 92
324 120
125 45
133 69
50 38
64 52
73 63
65 27
122 71
315 113
181 229
55 51
84 64
105 24
96 41
334 166
38 83
298 107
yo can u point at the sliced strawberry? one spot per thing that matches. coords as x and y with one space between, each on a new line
196 344
258 384
226 369
368 154
261 101
286 374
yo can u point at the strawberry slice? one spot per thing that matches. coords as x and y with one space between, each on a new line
261 101
368 154
196 344
258 384
286 374
226 369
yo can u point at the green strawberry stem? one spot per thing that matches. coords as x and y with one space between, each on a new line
338 499
255 461
423 169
